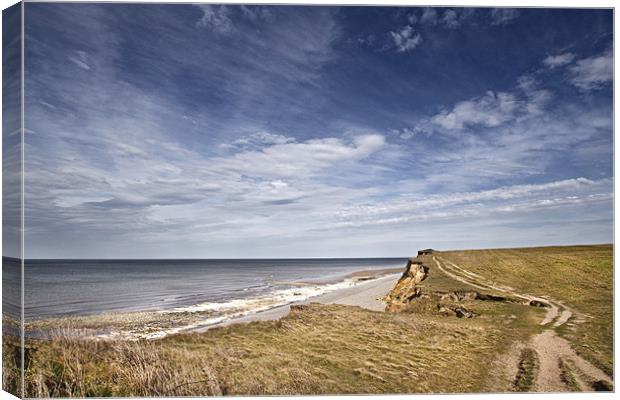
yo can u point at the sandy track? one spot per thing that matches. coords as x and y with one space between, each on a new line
477 281
564 316
550 347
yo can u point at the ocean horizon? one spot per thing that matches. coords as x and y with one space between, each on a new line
63 287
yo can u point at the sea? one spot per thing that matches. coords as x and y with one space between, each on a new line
84 287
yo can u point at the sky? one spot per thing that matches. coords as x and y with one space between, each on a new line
215 131
11 132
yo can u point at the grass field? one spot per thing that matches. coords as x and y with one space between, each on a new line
316 349
329 349
579 276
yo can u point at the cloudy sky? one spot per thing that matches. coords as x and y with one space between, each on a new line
225 131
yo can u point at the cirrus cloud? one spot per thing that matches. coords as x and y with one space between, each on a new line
406 39
593 72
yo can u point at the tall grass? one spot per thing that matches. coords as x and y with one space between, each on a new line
317 349
70 367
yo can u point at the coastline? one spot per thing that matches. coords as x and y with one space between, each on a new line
366 295
459 316
360 288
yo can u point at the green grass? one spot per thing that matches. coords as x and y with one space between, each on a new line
579 276
528 366
567 373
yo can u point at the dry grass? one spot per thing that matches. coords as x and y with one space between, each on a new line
335 349
71 368
11 362
579 276
317 349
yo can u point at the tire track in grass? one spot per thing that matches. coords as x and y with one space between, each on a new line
551 349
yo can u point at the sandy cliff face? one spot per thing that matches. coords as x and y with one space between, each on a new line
407 288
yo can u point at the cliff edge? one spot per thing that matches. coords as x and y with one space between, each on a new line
407 288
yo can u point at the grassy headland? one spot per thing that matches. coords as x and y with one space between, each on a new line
450 338
580 277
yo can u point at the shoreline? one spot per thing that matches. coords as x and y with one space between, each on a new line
358 276
365 295
360 288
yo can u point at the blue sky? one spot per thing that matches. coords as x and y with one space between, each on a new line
232 131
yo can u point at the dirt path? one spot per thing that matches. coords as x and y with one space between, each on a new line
477 281
553 351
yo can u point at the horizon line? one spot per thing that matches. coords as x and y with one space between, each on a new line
302 258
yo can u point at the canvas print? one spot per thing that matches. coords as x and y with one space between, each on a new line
221 200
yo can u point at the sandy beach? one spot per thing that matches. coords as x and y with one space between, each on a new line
365 295
362 288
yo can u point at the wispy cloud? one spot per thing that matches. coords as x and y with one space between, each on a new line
261 138
509 199
503 16
558 60
221 18
450 19
296 141
215 17
593 72
405 133
406 39
490 110
428 16
500 136
453 18
290 159
80 58
424 22
256 13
